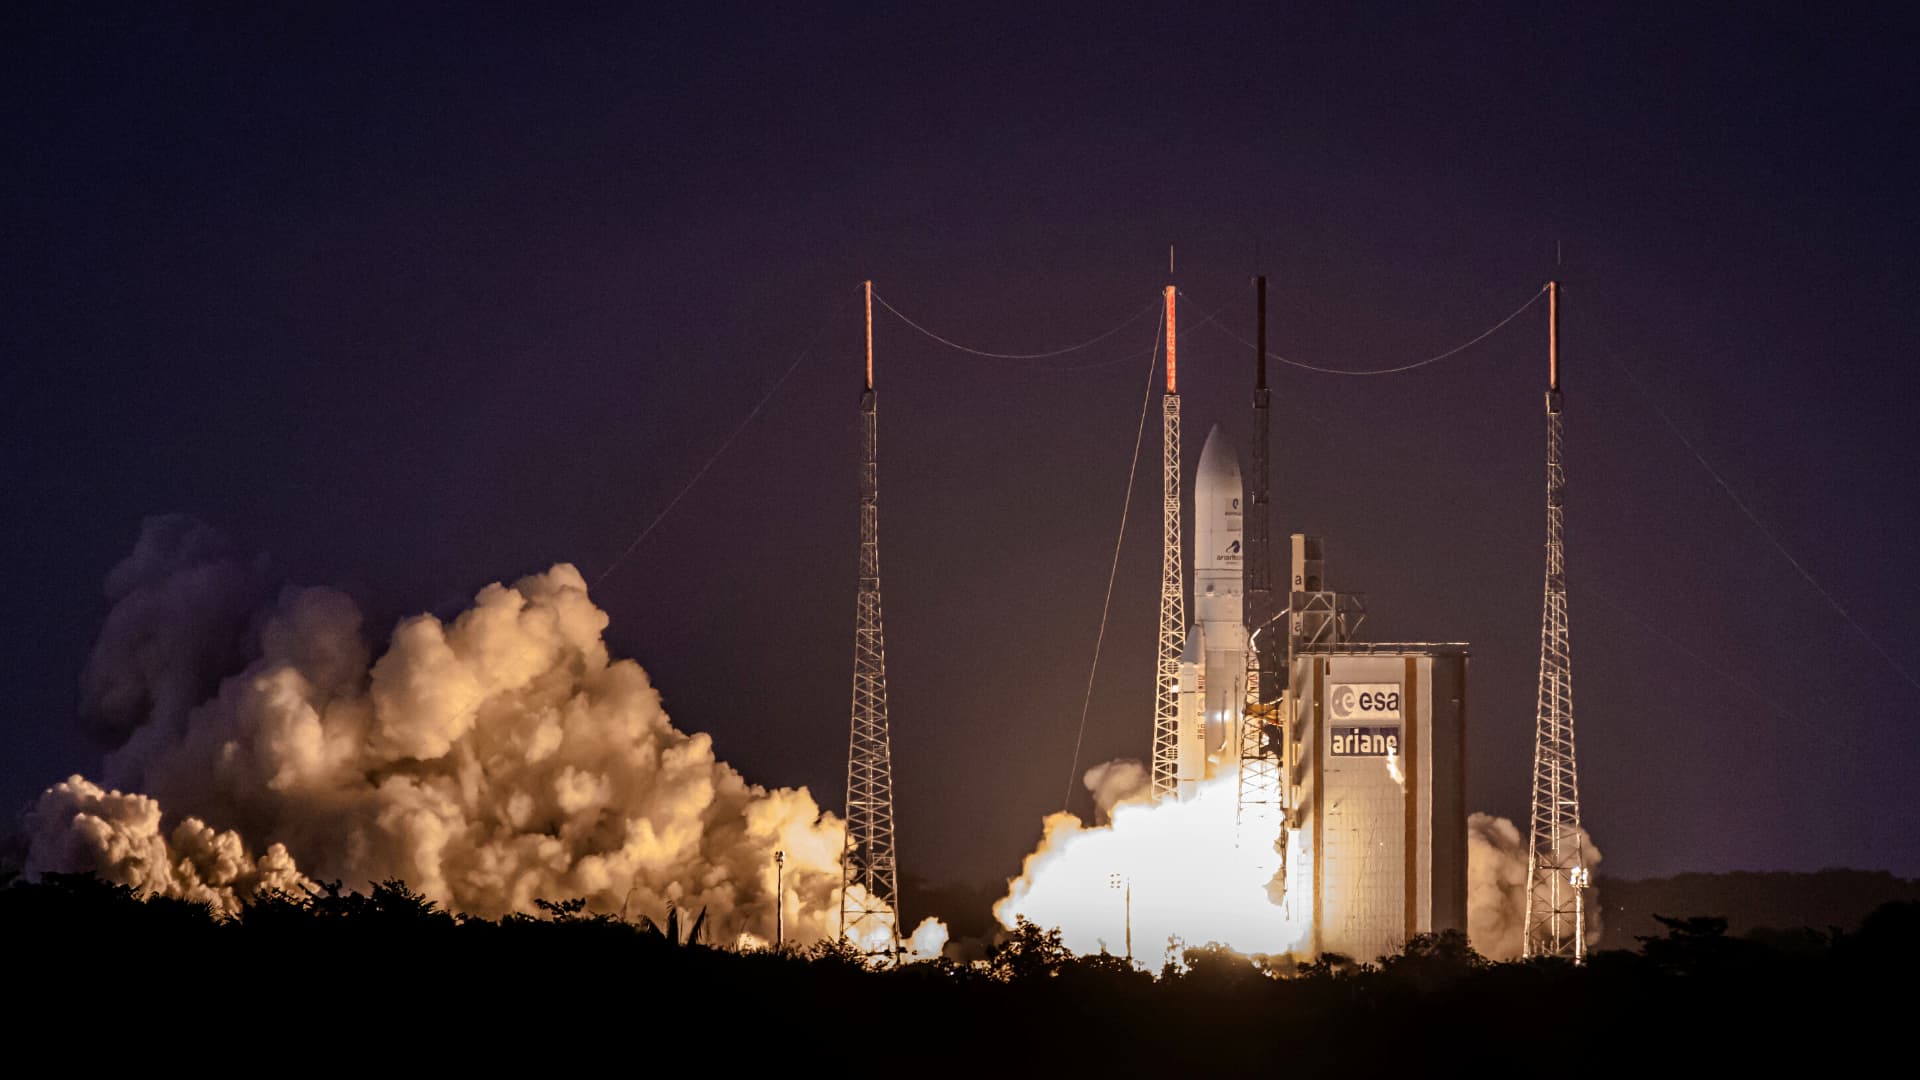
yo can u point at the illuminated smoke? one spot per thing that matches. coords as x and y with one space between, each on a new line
78 826
1497 887
1192 883
1116 782
1188 878
488 760
928 941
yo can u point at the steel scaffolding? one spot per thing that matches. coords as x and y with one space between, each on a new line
1173 614
1556 864
869 893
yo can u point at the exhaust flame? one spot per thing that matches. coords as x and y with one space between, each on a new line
488 760
1189 881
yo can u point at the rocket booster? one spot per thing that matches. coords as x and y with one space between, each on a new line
1213 672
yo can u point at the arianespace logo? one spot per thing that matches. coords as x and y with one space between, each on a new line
1364 701
1366 741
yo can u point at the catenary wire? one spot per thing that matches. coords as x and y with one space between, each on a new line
1455 351
1113 570
1800 567
952 344
702 471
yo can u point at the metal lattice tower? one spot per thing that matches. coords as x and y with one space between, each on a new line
871 918
1261 808
1556 865
1173 606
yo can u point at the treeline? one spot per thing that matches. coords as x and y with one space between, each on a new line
343 975
1752 902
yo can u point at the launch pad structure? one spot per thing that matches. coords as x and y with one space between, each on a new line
1173 618
1348 757
1556 864
1260 797
869 882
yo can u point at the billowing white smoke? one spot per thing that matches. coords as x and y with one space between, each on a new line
1497 887
1116 782
1191 882
486 761
1187 877
78 826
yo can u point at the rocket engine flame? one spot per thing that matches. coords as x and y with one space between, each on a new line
1189 881
486 760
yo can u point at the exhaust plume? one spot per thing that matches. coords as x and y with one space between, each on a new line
487 760
1191 882
1188 879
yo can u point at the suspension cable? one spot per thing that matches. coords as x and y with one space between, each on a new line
1455 351
1805 574
702 471
1113 570
951 344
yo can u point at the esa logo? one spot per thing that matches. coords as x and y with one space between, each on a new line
1364 701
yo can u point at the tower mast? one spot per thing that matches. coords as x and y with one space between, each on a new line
1260 789
869 893
1556 865
1173 615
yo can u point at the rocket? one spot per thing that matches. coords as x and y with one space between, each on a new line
1213 671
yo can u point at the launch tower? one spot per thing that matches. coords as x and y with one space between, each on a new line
869 894
1556 866
1261 792
1173 615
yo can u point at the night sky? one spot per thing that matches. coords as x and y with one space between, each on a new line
414 302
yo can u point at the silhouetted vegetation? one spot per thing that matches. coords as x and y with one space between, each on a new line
341 975
1750 901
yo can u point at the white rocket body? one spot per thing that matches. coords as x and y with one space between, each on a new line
1213 672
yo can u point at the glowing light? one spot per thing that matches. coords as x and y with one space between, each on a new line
874 936
1190 882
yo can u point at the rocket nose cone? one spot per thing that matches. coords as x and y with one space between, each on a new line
1217 459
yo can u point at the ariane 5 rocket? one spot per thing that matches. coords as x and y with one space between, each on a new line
1213 671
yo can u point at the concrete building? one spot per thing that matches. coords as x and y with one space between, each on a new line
1376 774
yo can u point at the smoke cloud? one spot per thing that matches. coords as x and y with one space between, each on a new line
1116 782
487 760
1190 881
1497 887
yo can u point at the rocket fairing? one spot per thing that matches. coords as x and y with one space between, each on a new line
1213 671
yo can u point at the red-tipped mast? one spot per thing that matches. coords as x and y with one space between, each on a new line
1553 336
867 287
1172 388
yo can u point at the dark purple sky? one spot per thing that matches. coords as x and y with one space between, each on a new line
416 305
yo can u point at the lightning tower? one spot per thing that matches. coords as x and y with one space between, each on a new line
1556 866
1261 793
869 894
1173 614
